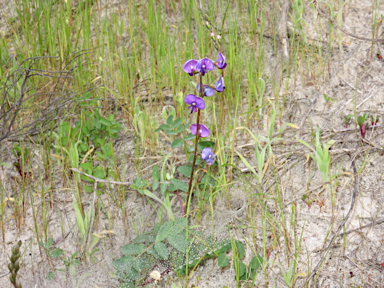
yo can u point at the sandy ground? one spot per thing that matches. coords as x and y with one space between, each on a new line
355 81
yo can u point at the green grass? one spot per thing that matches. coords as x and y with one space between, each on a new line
127 59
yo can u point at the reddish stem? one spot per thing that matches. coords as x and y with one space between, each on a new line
189 195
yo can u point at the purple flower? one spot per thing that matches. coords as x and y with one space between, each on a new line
203 65
203 130
195 102
220 84
208 156
220 62
190 66
207 91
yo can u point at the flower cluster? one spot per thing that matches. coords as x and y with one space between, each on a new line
196 103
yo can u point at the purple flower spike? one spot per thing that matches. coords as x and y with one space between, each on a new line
190 66
220 86
220 62
203 65
208 156
195 102
207 91
203 130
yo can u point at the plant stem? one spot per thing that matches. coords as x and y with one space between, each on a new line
189 196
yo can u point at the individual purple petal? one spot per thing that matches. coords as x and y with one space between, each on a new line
194 102
203 65
200 103
220 84
207 91
189 99
203 130
220 62
190 66
208 156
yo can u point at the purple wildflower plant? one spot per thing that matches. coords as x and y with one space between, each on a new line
203 130
220 62
207 90
220 86
208 156
203 65
190 67
194 102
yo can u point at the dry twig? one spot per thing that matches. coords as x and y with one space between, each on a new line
315 270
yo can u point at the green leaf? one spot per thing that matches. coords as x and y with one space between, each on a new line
132 274
198 159
176 123
5 164
163 188
83 147
123 263
72 270
204 144
180 129
56 253
126 285
49 243
152 251
155 185
164 231
185 170
99 173
177 143
170 132
132 249
162 250
222 260
139 183
140 239
155 173
242 269
256 262
180 185
181 222
191 148
179 242
240 249
190 136
169 120
175 229
172 188
162 127
219 248
88 188
50 275
76 262
208 179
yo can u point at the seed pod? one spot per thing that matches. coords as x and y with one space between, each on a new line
12 278
14 258
17 266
